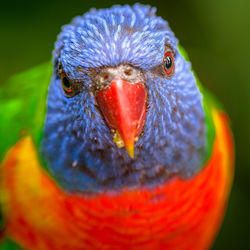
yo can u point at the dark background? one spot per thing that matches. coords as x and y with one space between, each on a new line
215 33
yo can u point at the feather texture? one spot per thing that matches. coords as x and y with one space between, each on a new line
77 144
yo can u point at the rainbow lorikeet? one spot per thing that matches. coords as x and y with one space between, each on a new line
115 146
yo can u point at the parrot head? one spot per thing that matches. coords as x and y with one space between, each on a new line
123 107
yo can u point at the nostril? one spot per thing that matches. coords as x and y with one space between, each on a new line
104 77
128 72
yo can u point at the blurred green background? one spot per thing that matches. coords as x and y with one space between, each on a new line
215 33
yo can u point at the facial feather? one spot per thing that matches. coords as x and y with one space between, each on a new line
78 145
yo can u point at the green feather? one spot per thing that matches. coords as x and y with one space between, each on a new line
209 103
8 244
23 105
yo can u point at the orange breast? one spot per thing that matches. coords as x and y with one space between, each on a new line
182 214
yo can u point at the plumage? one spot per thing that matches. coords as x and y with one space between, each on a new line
83 55
70 180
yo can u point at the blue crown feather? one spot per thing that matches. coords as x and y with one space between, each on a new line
109 37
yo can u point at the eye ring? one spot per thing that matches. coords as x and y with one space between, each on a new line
168 63
66 85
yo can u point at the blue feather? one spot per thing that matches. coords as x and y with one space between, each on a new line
77 143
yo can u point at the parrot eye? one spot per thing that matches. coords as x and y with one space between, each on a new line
168 63
66 84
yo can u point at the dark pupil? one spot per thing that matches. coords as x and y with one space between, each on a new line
66 82
168 62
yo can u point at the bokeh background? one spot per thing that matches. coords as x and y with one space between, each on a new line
215 33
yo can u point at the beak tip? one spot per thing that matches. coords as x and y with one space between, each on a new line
130 150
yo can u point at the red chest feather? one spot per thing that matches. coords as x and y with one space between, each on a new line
182 214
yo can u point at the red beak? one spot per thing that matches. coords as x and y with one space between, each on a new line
123 106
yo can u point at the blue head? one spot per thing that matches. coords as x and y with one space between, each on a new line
78 143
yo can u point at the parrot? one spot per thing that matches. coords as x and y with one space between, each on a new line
114 143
